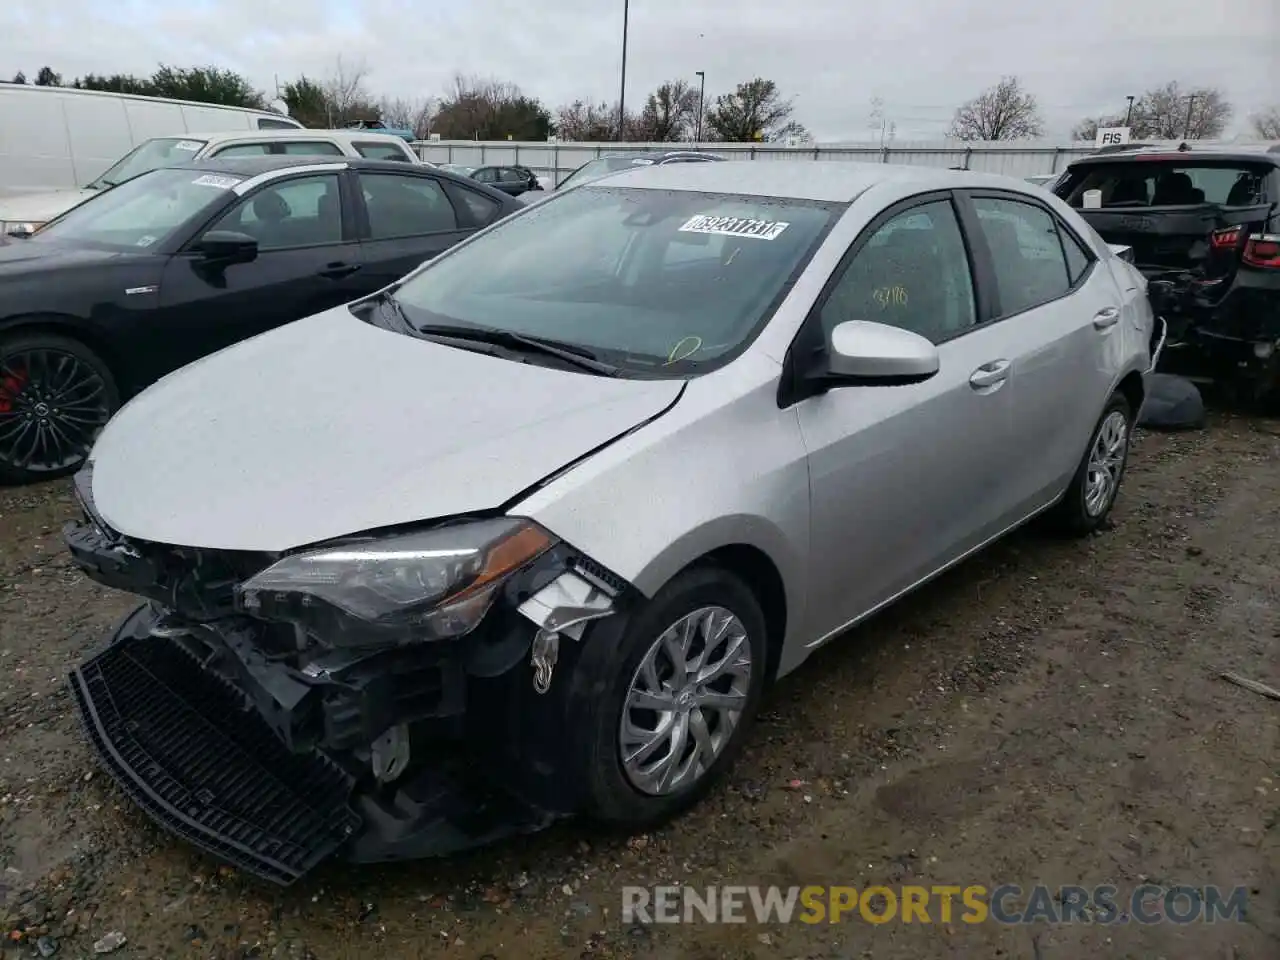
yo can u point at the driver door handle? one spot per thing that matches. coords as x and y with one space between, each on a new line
336 271
1107 317
989 374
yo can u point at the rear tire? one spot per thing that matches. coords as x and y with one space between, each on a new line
56 395
1086 506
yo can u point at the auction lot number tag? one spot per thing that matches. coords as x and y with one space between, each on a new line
735 227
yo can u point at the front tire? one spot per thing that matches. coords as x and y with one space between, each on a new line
675 701
55 397
1086 506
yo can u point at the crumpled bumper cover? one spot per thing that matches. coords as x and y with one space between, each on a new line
193 752
183 746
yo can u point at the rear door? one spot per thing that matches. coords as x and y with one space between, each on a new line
404 219
308 260
1064 331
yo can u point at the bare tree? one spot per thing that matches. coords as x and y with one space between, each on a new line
668 114
794 132
1087 129
345 92
408 114
1266 124
1174 113
754 111
1002 112
583 122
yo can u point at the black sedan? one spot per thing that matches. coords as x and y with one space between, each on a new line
511 179
179 262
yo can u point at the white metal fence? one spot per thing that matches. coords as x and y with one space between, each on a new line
558 160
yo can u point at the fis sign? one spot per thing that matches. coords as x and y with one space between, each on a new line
1112 136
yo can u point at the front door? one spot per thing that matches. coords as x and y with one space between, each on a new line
308 261
408 219
905 479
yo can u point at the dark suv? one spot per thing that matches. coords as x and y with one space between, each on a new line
1204 227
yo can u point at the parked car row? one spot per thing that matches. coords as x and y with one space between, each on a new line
28 212
524 514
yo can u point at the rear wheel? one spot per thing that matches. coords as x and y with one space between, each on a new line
55 397
1088 501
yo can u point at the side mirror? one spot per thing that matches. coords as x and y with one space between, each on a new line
227 247
876 354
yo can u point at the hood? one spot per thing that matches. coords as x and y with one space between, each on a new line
331 426
22 257
41 207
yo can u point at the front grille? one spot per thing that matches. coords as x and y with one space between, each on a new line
183 745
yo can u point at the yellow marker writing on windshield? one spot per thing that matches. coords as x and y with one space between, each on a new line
676 353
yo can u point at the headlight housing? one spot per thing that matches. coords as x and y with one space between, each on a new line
428 585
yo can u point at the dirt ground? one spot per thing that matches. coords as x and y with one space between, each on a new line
1048 712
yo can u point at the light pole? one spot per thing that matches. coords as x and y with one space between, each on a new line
702 95
1129 113
622 92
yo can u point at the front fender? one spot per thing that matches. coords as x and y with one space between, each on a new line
724 467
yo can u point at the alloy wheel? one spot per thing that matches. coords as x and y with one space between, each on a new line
685 701
52 407
1106 462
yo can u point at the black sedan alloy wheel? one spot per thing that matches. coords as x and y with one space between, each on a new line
55 397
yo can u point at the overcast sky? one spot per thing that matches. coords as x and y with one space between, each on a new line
922 57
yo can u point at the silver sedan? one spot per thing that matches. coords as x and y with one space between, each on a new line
592 479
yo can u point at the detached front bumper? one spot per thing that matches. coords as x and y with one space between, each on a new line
274 752
199 756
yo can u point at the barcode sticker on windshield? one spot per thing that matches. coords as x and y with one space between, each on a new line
211 180
735 227
189 145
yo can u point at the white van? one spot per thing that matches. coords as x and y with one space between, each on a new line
60 138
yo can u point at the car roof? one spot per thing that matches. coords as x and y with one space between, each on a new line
656 155
1269 152
253 167
235 136
830 181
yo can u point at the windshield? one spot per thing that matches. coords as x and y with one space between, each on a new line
139 213
603 165
656 282
458 168
161 152
1156 183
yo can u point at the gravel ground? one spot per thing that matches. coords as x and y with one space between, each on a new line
1048 712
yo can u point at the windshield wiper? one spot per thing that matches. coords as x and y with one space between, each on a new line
576 356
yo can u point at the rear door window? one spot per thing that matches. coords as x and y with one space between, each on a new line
1158 183
1030 265
406 206
243 150
310 148
380 151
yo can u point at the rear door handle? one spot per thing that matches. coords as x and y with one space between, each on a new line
336 271
1105 318
989 374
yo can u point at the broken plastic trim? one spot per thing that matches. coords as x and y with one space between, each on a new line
564 606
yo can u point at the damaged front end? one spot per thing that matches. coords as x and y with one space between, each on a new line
378 698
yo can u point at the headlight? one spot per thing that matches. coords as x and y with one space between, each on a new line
420 586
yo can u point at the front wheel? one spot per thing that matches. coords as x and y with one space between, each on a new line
55 396
677 697
1088 501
